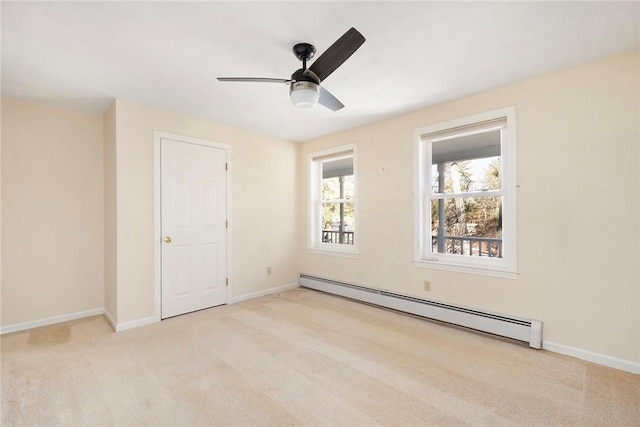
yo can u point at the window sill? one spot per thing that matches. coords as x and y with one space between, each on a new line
481 271
334 252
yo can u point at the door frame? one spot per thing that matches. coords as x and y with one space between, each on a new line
157 210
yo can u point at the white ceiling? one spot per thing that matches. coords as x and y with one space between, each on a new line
81 55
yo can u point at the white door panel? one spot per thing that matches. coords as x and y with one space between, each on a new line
193 218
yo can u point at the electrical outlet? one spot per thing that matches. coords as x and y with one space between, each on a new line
427 285
268 270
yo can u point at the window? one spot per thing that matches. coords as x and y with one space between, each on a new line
465 195
332 201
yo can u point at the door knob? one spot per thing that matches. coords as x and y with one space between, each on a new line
167 239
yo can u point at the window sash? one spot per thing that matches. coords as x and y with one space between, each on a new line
324 201
316 163
466 195
425 194
430 195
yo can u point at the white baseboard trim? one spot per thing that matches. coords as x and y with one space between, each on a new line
135 323
259 294
110 319
589 356
50 321
128 325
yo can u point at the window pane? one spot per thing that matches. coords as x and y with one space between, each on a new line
467 163
337 179
470 226
338 223
337 188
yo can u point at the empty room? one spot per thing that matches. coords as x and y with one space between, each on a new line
320 213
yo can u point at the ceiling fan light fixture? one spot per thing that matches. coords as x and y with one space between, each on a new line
304 94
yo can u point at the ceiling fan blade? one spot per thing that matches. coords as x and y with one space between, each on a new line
337 53
253 79
329 101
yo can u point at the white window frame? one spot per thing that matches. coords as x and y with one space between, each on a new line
315 161
424 256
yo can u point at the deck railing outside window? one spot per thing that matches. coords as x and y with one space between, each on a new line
335 236
467 245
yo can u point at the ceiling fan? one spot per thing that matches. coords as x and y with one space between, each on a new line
305 89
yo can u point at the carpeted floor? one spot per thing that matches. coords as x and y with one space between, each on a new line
300 358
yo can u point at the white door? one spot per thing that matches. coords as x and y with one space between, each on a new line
193 224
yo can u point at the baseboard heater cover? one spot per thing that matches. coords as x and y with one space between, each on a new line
519 329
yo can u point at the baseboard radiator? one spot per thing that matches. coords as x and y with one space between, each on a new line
519 329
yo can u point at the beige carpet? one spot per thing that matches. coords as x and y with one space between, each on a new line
300 358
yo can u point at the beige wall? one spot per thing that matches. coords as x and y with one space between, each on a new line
52 212
264 205
578 138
